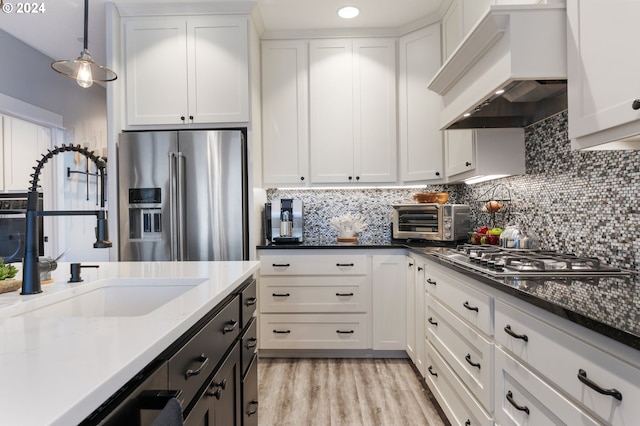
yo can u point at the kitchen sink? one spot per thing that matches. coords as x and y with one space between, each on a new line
121 297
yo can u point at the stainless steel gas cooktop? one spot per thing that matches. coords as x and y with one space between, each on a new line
503 262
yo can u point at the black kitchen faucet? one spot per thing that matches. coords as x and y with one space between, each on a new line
30 264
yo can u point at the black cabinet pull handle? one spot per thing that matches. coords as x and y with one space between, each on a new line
343 264
432 322
430 368
636 104
467 423
437 173
281 294
191 117
282 331
220 386
582 376
204 360
252 343
345 331
469 307
182 117
231 325
507 329
471 363
280 265
250 301
301 177
430 281
467 164
517 407
410 265
420 268
344 294
253 411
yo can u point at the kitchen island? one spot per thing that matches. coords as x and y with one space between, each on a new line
59 366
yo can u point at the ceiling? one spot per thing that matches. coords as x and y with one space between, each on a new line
58 31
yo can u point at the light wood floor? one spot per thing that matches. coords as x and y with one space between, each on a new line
337 392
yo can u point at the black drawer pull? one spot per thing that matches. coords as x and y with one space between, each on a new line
345 331
517 407
582 376
420 268
430 281
410 265
251 343
469 307
471 363
250 301
280 294
204 360
280 265
432 322
220 386
467 423
253 411
344 264
344 294
430 368
282 331
507 329
231 325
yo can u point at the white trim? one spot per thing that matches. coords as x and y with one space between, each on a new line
20 109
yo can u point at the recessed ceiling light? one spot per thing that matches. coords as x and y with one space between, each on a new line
348 12
466 114
499 92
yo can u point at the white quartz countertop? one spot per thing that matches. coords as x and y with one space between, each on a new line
57 369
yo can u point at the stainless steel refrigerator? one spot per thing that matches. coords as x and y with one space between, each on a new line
182 195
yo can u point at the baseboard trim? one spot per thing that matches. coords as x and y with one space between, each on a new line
330 353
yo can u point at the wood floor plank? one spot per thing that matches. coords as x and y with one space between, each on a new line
342 392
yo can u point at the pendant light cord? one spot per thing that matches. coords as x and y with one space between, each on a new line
86 24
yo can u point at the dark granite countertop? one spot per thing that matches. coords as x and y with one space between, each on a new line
607 305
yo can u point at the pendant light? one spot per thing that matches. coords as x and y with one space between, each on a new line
83 69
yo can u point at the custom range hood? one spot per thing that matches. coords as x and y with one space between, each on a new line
509 71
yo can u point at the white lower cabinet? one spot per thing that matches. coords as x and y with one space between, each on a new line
331 300
522 398
460 407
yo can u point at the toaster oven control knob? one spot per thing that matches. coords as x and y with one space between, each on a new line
447 226
447 235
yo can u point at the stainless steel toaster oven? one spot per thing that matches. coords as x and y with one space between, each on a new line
432 222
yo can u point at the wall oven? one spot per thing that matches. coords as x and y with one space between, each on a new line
13 207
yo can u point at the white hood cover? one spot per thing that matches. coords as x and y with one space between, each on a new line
520 49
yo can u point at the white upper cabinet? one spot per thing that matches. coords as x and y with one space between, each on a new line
421 143
353 111
484 152
603 63
285 106
186 70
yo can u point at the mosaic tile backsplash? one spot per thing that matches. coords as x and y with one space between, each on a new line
582 202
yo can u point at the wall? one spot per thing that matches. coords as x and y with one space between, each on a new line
26 74
580 202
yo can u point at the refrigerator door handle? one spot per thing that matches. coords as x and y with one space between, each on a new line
172 206
181 219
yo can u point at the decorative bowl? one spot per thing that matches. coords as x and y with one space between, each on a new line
431 197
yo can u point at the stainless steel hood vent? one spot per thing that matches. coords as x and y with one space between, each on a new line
510 70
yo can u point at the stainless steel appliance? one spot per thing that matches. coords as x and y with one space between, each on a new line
431 222
496 261
284 221
183 195
13 208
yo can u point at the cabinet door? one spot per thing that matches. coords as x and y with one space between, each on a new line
331 111
452 28
421 143
460 154
155 59
602 38
374 112
388 281
218 69
285 123
410 313
419 309
23 143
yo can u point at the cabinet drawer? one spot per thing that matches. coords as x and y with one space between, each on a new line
190 367
248 302
250 395
314 294
249 343
454 398
472 305
318 264
524 399
308 331
559 358
468 353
